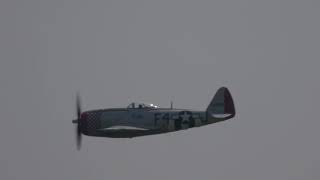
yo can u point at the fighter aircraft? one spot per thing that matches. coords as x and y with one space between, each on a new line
141 119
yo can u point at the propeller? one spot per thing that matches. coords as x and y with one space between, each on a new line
78 122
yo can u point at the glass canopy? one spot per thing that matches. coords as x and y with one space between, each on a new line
139 105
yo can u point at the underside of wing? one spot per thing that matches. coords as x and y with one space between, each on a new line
126 132
114 128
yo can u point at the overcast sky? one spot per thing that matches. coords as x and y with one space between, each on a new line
113 52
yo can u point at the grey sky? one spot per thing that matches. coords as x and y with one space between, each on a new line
266 52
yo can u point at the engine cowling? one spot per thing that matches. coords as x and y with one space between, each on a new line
90 122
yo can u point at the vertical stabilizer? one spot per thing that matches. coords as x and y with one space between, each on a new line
222 106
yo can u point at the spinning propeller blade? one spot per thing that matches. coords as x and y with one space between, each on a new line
78 121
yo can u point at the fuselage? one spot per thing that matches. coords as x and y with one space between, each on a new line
131 122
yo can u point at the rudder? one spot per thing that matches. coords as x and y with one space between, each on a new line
222 106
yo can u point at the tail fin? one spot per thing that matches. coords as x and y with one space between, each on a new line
221 107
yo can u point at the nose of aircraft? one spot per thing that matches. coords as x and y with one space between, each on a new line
83 122
83 116
90 122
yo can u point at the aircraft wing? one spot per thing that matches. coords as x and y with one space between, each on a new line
126 132
123 128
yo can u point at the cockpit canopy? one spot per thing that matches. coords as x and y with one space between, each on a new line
139 105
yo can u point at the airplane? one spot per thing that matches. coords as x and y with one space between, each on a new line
142 119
